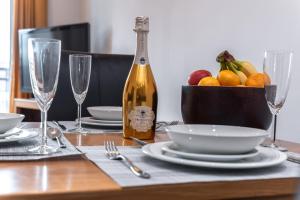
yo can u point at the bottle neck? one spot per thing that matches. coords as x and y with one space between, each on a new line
141 54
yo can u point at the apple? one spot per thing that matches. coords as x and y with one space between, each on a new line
197 75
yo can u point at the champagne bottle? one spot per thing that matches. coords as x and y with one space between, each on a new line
140 94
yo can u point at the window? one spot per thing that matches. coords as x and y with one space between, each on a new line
5 38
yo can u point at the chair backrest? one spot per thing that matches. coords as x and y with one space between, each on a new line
108 76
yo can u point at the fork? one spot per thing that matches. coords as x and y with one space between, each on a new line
113 153
163 123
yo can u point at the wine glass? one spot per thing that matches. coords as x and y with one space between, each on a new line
44 63
277 65
80 72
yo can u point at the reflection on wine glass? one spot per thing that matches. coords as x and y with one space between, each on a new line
80 71
278 66
44 62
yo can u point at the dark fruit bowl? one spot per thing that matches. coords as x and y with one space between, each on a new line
238 106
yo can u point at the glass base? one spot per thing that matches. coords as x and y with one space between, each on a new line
79 130
44 149
275 146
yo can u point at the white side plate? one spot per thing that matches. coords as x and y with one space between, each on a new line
106 112
24 135
101 124
9 121
170 147
267 157
100 121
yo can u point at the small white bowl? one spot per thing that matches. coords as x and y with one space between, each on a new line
9 121
216 139
106 112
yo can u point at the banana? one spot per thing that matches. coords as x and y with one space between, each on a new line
242 76
246 67
243 69
236 69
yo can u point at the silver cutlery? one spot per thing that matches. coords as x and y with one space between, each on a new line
59 133
138 141
25 153
55 133
159 124
61 126
164 124
7 134
293 160
113 153
293 157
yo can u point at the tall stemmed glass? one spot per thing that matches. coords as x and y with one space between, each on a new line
44 62
80 72
278 66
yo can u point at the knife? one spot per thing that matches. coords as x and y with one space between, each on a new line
19 153
293 157
60 125
140 142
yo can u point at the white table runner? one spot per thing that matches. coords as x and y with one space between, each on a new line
72 125
24 145
167 173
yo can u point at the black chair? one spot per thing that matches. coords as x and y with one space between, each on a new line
108 76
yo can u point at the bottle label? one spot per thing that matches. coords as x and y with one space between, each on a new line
141 118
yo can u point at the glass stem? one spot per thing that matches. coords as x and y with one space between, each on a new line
78 108
79 116
44 127
274 129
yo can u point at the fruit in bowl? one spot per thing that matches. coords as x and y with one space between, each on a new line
228 78
232 73
256 80
197 75
209 81
237 98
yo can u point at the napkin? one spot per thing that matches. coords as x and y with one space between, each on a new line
24 145
166 173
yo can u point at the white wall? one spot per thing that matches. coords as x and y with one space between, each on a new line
187 35
64 12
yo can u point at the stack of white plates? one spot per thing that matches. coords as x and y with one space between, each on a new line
17 134
8 130
9 121
108 116
214 146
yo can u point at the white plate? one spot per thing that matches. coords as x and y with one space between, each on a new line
9 121
94 120
24 135
171 147
267 157
106 112
14 131
101 124
216 139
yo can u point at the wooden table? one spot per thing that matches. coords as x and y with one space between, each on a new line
78 178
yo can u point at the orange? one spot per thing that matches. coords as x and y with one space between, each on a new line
228 78
256 80
209 81
267 79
